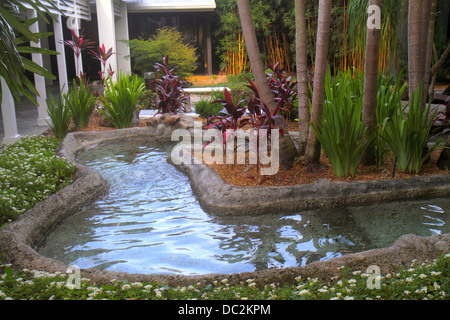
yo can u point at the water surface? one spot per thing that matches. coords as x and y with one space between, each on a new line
151 222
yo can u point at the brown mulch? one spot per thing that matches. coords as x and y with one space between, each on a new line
300 173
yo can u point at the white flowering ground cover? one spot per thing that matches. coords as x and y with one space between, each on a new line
30 171
427 281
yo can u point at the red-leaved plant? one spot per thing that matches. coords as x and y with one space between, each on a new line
169 88
103 55
78 44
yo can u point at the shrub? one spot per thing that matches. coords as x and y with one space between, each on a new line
167 41
80 100
147 99
206 108
341 130
30 172
59 115
120 99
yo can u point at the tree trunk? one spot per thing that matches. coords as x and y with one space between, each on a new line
254 54
313 147
429 48
415 45
302 74
426 13
370 83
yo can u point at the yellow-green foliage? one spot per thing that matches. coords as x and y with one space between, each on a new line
167 41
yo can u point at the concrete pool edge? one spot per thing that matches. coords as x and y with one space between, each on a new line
19 238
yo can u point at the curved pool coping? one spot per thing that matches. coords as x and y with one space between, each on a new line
20 238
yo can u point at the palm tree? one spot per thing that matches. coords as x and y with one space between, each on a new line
370 82
302 74
313 148
14 41
254 54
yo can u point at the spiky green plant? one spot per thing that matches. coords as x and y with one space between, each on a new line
408 137
120 99
341 131
81 102
388 100
59 115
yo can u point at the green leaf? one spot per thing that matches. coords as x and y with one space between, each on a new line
17 24
35 68
36 50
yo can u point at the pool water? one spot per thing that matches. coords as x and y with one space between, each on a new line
151 222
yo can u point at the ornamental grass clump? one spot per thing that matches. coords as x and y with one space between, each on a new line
341 131
59 115
120 100
81 101
408 137
389 99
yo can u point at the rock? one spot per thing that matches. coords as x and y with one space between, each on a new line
288 152
171 120
152 122
443 161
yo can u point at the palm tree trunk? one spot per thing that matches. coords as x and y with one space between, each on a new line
415 45
429 48
313 148
370 84
302 74
254 53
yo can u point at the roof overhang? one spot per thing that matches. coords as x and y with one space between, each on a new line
170 6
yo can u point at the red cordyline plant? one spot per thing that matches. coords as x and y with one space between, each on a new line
282 87
78 44
103 55
169 88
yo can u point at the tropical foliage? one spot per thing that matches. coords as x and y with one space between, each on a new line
15 37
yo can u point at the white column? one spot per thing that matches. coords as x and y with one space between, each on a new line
9 115
123 49
45 57
39 81
107 29
61 57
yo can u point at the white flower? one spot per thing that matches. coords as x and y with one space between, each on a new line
126 287
303 292
148 287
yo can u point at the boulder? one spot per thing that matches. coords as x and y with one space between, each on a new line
288 152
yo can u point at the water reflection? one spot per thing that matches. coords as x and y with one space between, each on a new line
150 222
